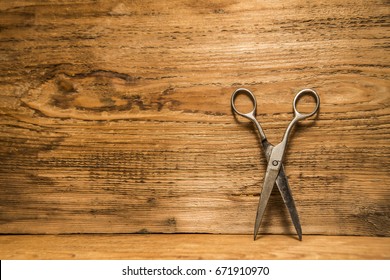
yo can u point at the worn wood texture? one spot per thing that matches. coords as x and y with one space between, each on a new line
115 115
193 247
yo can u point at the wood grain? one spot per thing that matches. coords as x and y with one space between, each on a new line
115 115
191 246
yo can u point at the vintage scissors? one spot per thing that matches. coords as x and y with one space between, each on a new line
274 155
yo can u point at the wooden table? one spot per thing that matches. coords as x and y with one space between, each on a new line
115 119
191 247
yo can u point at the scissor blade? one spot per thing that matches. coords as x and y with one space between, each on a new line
267 148
269 181
285 191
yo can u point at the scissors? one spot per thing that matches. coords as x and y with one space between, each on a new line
274 155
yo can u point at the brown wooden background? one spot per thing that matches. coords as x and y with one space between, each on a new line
115 115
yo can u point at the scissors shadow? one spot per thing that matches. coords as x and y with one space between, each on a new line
249 126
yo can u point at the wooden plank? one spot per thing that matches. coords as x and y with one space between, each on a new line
115 116
191 246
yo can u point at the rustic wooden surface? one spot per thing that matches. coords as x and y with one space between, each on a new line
194 246
115 116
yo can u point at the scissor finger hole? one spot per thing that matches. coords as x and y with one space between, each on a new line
306 102
243 102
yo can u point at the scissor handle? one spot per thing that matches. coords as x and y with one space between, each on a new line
307 91
249 115
279 149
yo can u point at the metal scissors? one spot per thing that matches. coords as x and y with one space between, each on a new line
274 155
